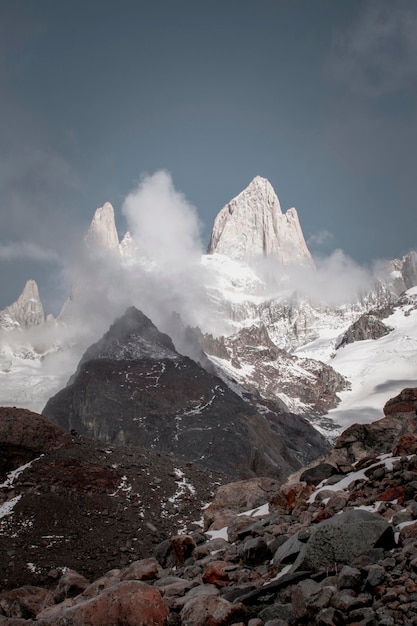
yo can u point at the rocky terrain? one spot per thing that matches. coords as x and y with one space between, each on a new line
338 546
132 387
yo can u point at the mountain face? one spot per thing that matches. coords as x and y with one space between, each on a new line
133 387
305 386
252 241
252 226
27 311
102 231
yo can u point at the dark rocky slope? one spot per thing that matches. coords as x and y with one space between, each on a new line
340 552
76 503
133 388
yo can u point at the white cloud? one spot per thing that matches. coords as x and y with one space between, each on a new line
320 238
163 223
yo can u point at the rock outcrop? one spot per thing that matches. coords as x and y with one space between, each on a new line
304 386
367 326
133 387
27 311
252 226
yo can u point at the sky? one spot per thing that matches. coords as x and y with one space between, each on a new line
318 96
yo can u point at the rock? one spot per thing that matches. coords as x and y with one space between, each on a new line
216 575
132 603
407 444
255 551
404 402
288 551
237 497
183 546
211 610
314 475
349 578
308 598
367 326
145 569
342 538
376 575
25 602
70 584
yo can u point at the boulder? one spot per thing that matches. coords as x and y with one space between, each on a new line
131 603
211 610
342 538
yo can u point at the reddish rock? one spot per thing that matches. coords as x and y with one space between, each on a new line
211 611
183 546
291 495
131 603
392 493
405 402
146 569
216 575
238 497
407 444
25 602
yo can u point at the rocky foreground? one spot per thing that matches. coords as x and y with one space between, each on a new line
335 545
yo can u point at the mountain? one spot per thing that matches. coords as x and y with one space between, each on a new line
260 325
133 388
252 226
27 311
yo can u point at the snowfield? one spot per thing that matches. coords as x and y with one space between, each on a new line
377 369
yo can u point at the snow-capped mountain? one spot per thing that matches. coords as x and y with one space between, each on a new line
256 297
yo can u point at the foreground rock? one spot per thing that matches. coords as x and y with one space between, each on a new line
343 551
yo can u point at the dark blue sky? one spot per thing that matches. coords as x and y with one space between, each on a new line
319 96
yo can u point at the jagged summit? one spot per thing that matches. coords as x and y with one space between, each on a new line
26 311
252 225
102 230
132 336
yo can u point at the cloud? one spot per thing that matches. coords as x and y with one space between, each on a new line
335 280
377 54
27 250
163 223
320 238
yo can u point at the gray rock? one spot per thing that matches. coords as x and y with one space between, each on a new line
288 551
342 538
255 551
376 575
349 578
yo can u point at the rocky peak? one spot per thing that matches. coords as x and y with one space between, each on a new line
253 226
102 230
128 247
132 336
26 311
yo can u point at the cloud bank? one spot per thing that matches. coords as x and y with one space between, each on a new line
164 224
